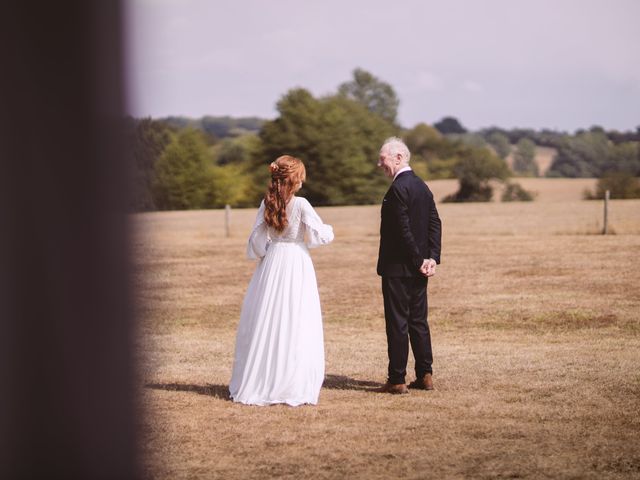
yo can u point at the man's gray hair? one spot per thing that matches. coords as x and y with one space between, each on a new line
397 146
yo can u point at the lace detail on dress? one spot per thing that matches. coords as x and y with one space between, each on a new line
292 233
302 219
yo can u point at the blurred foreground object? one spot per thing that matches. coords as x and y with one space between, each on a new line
67 403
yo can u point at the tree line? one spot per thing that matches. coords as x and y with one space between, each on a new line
183 163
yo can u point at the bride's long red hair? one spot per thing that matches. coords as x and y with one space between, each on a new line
287 173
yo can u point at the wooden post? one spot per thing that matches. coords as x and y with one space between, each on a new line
227 220
605 228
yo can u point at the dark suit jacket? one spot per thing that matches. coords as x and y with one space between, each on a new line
410 228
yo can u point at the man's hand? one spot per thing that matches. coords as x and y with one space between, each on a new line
428 268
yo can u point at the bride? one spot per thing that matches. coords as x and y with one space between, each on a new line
279 356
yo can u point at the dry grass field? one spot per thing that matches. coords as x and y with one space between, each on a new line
536 336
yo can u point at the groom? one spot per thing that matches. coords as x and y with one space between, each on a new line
410 234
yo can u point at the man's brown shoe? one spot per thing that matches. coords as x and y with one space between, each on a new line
393 388
424 383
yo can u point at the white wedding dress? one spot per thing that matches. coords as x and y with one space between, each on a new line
279 355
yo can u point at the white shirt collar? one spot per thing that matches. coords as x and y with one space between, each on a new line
403 169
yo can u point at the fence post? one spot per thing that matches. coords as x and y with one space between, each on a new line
227 220
605 228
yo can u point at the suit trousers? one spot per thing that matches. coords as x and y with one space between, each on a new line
405 313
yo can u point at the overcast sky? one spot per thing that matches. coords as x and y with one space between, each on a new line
563 64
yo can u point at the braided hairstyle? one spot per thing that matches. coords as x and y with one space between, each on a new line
287 173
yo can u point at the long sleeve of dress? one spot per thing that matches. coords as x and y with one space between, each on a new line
259 238
318 233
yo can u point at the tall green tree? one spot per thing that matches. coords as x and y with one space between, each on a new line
441 153
422 138
449 125
237 150
337 138
475 171
433 154
524 158
377 96
583 155
500 143
231 184
183 176
233 172
624 157
230 151
470 139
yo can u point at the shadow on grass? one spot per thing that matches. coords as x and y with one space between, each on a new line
217 391
334 382
342 382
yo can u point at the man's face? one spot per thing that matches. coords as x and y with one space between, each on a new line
388 163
